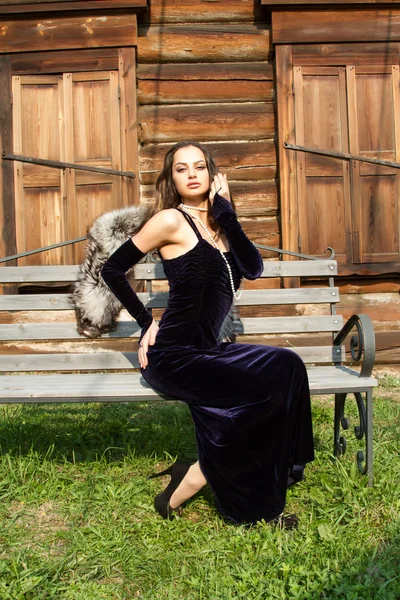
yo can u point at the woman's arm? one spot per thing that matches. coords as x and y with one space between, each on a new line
157 231
247 257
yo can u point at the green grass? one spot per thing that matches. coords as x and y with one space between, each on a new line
77 520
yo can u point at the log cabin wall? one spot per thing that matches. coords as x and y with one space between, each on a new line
337 83
206 71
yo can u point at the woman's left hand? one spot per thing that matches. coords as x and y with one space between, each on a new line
220 186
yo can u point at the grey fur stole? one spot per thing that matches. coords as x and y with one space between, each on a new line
96 307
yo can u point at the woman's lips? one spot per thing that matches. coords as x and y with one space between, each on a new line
193 185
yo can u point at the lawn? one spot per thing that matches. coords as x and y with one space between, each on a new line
77 520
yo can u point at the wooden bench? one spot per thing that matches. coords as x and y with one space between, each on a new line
46 360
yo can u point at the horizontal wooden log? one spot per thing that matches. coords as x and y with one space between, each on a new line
250 174
368 269
171 92
210 121
248 71
64 33
384 308
341 2
95 59
344 54
125 387
177 11
239 155
204 43
252 198
333 26
50 6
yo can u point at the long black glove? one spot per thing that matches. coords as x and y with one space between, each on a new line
113 273
247 257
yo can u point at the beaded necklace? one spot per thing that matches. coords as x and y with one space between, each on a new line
185 208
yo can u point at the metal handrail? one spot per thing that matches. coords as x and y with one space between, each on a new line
56 164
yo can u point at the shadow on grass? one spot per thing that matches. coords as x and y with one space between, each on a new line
84 432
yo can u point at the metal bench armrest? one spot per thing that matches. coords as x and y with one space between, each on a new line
362 343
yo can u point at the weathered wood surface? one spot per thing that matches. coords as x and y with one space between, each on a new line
116 387
305 26
172 92
377 53
69 273
341 2
202 122
204 43
250 325
95 59
224 71
99 361
233 155
387 344
252 198
159 300
64 33
7 208
175 11
51 6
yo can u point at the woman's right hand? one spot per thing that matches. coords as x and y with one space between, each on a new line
147 340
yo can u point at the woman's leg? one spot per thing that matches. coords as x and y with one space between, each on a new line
193 481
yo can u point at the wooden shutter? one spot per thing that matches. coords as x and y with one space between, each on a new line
86 118
322 182
374 112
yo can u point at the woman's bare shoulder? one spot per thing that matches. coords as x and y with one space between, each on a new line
168 218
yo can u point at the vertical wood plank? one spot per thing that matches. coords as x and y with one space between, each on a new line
396 115
115 126
71 210
18 169
354 164
63 177
7 208
129 133
287 165
346 165
300 157
286 132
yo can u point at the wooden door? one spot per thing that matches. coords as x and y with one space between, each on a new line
351 206
374 112
322 183
76 118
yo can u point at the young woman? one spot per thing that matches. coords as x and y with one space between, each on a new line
250 403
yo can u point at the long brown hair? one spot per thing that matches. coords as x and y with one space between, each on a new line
166 192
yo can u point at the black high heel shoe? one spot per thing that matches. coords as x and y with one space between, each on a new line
177 471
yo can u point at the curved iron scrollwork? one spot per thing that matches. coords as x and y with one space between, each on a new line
362 344
340 442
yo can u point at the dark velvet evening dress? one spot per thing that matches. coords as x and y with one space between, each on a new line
250 403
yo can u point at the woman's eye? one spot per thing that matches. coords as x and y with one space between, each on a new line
201 167
180 170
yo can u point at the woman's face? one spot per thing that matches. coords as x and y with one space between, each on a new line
190 174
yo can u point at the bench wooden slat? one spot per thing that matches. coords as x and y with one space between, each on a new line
99 361
261 325
116 387
272 268
160 299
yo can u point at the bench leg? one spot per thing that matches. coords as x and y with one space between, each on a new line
364 461
370 456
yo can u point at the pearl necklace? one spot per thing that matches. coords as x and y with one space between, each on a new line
238 294
194 207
